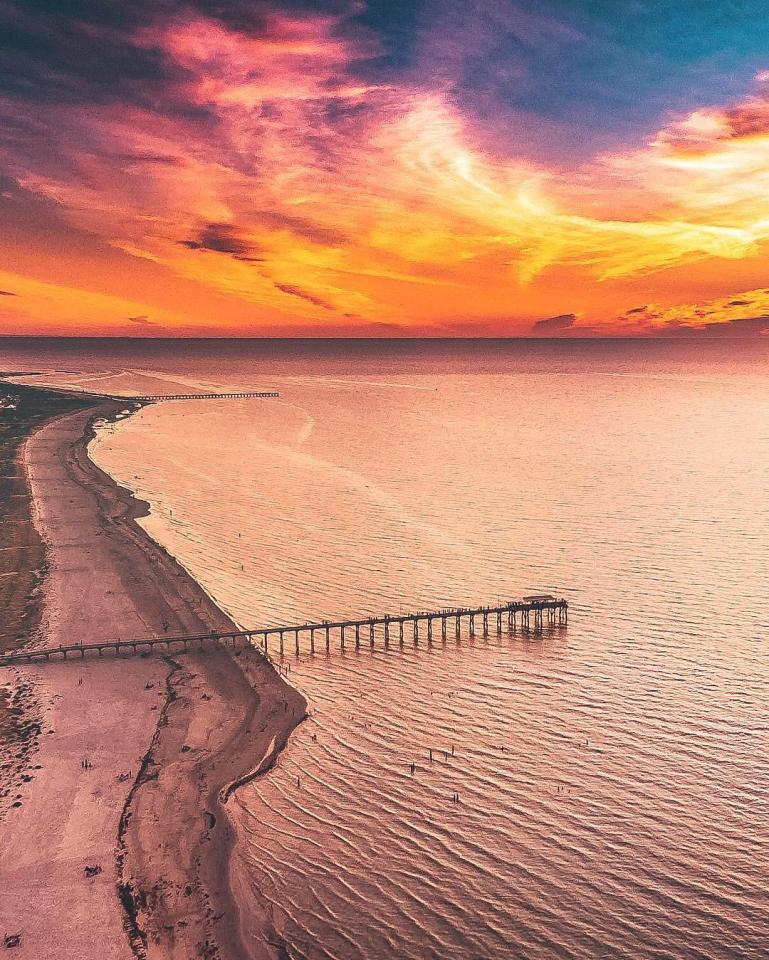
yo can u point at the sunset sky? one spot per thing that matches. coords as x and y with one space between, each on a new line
384 168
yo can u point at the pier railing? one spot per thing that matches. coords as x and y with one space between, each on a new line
427 625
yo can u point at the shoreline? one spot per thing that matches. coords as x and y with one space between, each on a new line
171 844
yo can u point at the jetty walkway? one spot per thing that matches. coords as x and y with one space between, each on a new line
530 613
154 398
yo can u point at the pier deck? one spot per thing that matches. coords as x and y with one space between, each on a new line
154 398
426 624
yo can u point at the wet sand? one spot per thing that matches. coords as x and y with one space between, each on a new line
165 738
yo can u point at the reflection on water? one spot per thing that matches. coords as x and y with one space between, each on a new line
612 777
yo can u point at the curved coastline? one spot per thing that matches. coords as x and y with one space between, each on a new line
221 719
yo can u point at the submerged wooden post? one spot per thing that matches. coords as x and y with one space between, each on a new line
296 637
386 632
328 639
312 639
371 632
281 642
401 632
472 624
357 636
429 629
458 627
499 621
443 627
341 637
416 629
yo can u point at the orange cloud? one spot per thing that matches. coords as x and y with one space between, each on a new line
746 314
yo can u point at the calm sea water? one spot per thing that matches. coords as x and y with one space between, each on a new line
613 777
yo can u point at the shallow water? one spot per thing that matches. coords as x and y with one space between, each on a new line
612 776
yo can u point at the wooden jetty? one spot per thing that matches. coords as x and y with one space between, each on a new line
145 398
154 398
528 614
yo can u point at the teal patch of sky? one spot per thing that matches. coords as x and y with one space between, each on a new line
625 68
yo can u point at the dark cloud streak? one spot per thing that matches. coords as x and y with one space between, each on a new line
294 291
554 324
220 238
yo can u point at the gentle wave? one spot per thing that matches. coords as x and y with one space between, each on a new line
612 777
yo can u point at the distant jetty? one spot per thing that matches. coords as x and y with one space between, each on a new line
144 398
201 396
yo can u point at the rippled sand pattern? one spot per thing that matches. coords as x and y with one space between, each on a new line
612 778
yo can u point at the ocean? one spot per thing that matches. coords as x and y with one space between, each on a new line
613 776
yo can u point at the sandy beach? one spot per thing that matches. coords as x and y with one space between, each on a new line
133 854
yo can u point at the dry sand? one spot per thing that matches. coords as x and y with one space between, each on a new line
166 740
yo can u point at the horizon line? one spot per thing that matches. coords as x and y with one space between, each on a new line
640 338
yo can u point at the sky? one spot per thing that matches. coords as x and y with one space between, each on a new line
384 168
